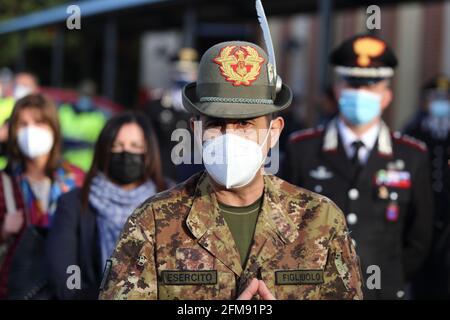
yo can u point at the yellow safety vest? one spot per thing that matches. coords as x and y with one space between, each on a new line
84 127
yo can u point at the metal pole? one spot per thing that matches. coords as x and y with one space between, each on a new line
325 10
21 57
58 58
109 58
190 28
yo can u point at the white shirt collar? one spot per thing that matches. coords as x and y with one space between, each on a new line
369 139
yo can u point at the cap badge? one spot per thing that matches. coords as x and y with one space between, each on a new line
240 65
442 83
367 48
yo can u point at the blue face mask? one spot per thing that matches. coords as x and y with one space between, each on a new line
84 104
179 84
359 106
440 108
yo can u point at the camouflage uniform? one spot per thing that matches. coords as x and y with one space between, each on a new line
177 246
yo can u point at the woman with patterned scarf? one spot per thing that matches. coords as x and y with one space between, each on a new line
126 170
34 179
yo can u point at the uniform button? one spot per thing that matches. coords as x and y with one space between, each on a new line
352 218
353 194
400 294
166 116
393 196
318 189
142 260
400 164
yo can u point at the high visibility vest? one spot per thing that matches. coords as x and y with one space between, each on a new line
6 108
82 127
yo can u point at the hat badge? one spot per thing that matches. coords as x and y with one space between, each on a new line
367 48
240 65
442 83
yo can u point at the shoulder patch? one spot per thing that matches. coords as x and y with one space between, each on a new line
305 134
409 141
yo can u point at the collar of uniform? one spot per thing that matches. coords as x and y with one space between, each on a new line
203 209
369 138
385 140
209 227
204 213
274 211
330 141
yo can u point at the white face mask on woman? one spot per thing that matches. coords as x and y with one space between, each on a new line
233 161
21 91
34 141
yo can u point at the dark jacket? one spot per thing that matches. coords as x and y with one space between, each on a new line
434 280
9 246
73 240
390 220
21 273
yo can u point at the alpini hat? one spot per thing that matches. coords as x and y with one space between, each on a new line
236 81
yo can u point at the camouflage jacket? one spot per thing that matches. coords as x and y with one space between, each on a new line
176 245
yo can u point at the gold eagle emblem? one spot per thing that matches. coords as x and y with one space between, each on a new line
367 48
240 65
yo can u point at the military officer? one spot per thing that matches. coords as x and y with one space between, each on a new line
231 231
168 113
380 179
432 125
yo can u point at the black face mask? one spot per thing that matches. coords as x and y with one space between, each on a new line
126 167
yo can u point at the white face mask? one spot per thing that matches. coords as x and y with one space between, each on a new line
21 91
34 141
233 161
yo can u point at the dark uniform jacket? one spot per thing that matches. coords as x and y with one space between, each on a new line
165 120
435 133
387 202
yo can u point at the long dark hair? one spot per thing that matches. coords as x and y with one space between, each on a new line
49 114
102 152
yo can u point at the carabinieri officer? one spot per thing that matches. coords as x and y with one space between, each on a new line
379 178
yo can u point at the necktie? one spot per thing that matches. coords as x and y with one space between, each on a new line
356 145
